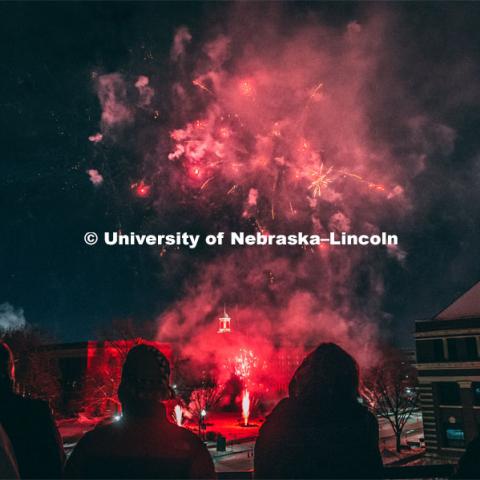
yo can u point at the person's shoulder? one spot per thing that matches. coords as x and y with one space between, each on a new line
371 417
187 435
104 430
282 411
101 434
368 417
281 408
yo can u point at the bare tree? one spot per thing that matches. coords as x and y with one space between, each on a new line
105 367
204 399
37 373
390 389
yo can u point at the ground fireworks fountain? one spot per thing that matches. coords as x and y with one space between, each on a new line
178 415
245 407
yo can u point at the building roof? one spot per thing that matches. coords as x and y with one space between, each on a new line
465 306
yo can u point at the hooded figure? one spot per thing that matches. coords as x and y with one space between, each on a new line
143 443
320 430
29 424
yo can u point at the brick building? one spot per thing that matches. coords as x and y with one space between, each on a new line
448 363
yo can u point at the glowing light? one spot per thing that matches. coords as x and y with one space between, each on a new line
203 413
117 418
178 415
245 407
141 189
195 172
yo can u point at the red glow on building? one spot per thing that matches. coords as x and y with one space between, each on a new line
104 370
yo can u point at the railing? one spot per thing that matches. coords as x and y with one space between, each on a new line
425 472
420 471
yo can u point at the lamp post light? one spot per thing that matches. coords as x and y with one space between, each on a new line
201 422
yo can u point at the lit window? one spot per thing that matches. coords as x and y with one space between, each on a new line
454 436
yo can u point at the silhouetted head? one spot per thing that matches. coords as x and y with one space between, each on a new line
7 368
327 376
145 381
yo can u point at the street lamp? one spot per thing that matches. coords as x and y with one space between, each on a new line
201 422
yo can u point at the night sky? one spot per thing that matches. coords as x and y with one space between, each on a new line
50 107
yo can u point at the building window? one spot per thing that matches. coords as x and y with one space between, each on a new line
430 350
476 393
449 393
453 436
462 349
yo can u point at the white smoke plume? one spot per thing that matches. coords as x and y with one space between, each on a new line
145 91
11 318
112 93
181 40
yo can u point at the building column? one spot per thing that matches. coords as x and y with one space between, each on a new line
469 424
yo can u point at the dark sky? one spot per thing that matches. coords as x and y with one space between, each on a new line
49 108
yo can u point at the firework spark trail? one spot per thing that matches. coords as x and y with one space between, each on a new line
232 189
321 180
206 182
376 186
199 84
204 150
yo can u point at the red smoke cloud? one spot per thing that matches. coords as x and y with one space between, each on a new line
273 129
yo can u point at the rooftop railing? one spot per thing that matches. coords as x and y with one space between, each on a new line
424 472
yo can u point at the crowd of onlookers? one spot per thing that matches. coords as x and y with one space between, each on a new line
319 431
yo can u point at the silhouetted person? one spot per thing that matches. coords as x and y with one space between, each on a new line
143 443
320 430
469 463
30 427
